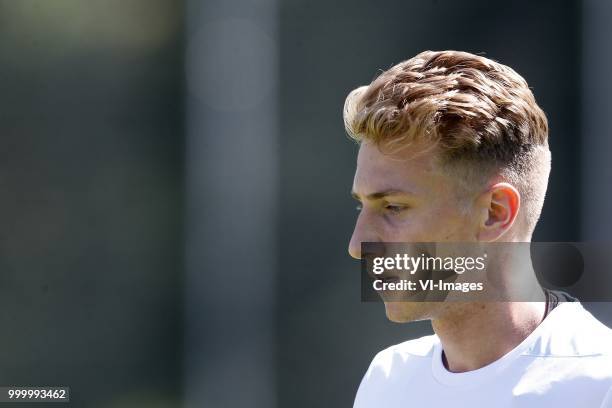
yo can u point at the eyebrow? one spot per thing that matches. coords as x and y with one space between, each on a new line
381 194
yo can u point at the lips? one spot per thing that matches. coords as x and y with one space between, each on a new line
389 279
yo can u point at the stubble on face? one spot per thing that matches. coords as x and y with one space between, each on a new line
435 210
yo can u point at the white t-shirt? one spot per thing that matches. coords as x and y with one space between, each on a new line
565 362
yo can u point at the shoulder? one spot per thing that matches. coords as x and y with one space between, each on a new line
573 332
397 357
572 356
392 368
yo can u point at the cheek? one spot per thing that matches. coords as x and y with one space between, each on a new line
414 227
439 224
451 225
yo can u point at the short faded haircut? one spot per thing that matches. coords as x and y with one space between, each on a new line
472 109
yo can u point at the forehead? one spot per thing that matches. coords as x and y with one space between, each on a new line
416 171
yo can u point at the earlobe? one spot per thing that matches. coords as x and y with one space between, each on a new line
502 203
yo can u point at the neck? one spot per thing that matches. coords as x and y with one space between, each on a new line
474 335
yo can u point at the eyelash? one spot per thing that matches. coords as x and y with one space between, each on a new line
396 209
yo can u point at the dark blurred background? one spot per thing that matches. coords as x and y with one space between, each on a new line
175 184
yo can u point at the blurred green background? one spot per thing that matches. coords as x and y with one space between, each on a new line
175 185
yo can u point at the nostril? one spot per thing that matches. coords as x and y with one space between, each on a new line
372 249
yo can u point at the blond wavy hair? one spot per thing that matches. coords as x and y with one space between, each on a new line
472 109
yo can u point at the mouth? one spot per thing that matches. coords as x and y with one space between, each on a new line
386 277
389 279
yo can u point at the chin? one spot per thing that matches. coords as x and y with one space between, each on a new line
404 312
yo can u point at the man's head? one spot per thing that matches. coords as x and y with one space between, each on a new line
453 147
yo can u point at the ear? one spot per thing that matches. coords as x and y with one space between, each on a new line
501 204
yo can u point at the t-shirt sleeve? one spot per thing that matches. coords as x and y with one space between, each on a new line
607 401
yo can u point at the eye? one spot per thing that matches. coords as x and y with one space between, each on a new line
359 207
395 208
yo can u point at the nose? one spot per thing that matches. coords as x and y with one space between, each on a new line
364 232
354 248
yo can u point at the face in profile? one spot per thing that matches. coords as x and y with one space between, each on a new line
488 141
408 197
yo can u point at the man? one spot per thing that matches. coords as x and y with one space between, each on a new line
453 147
